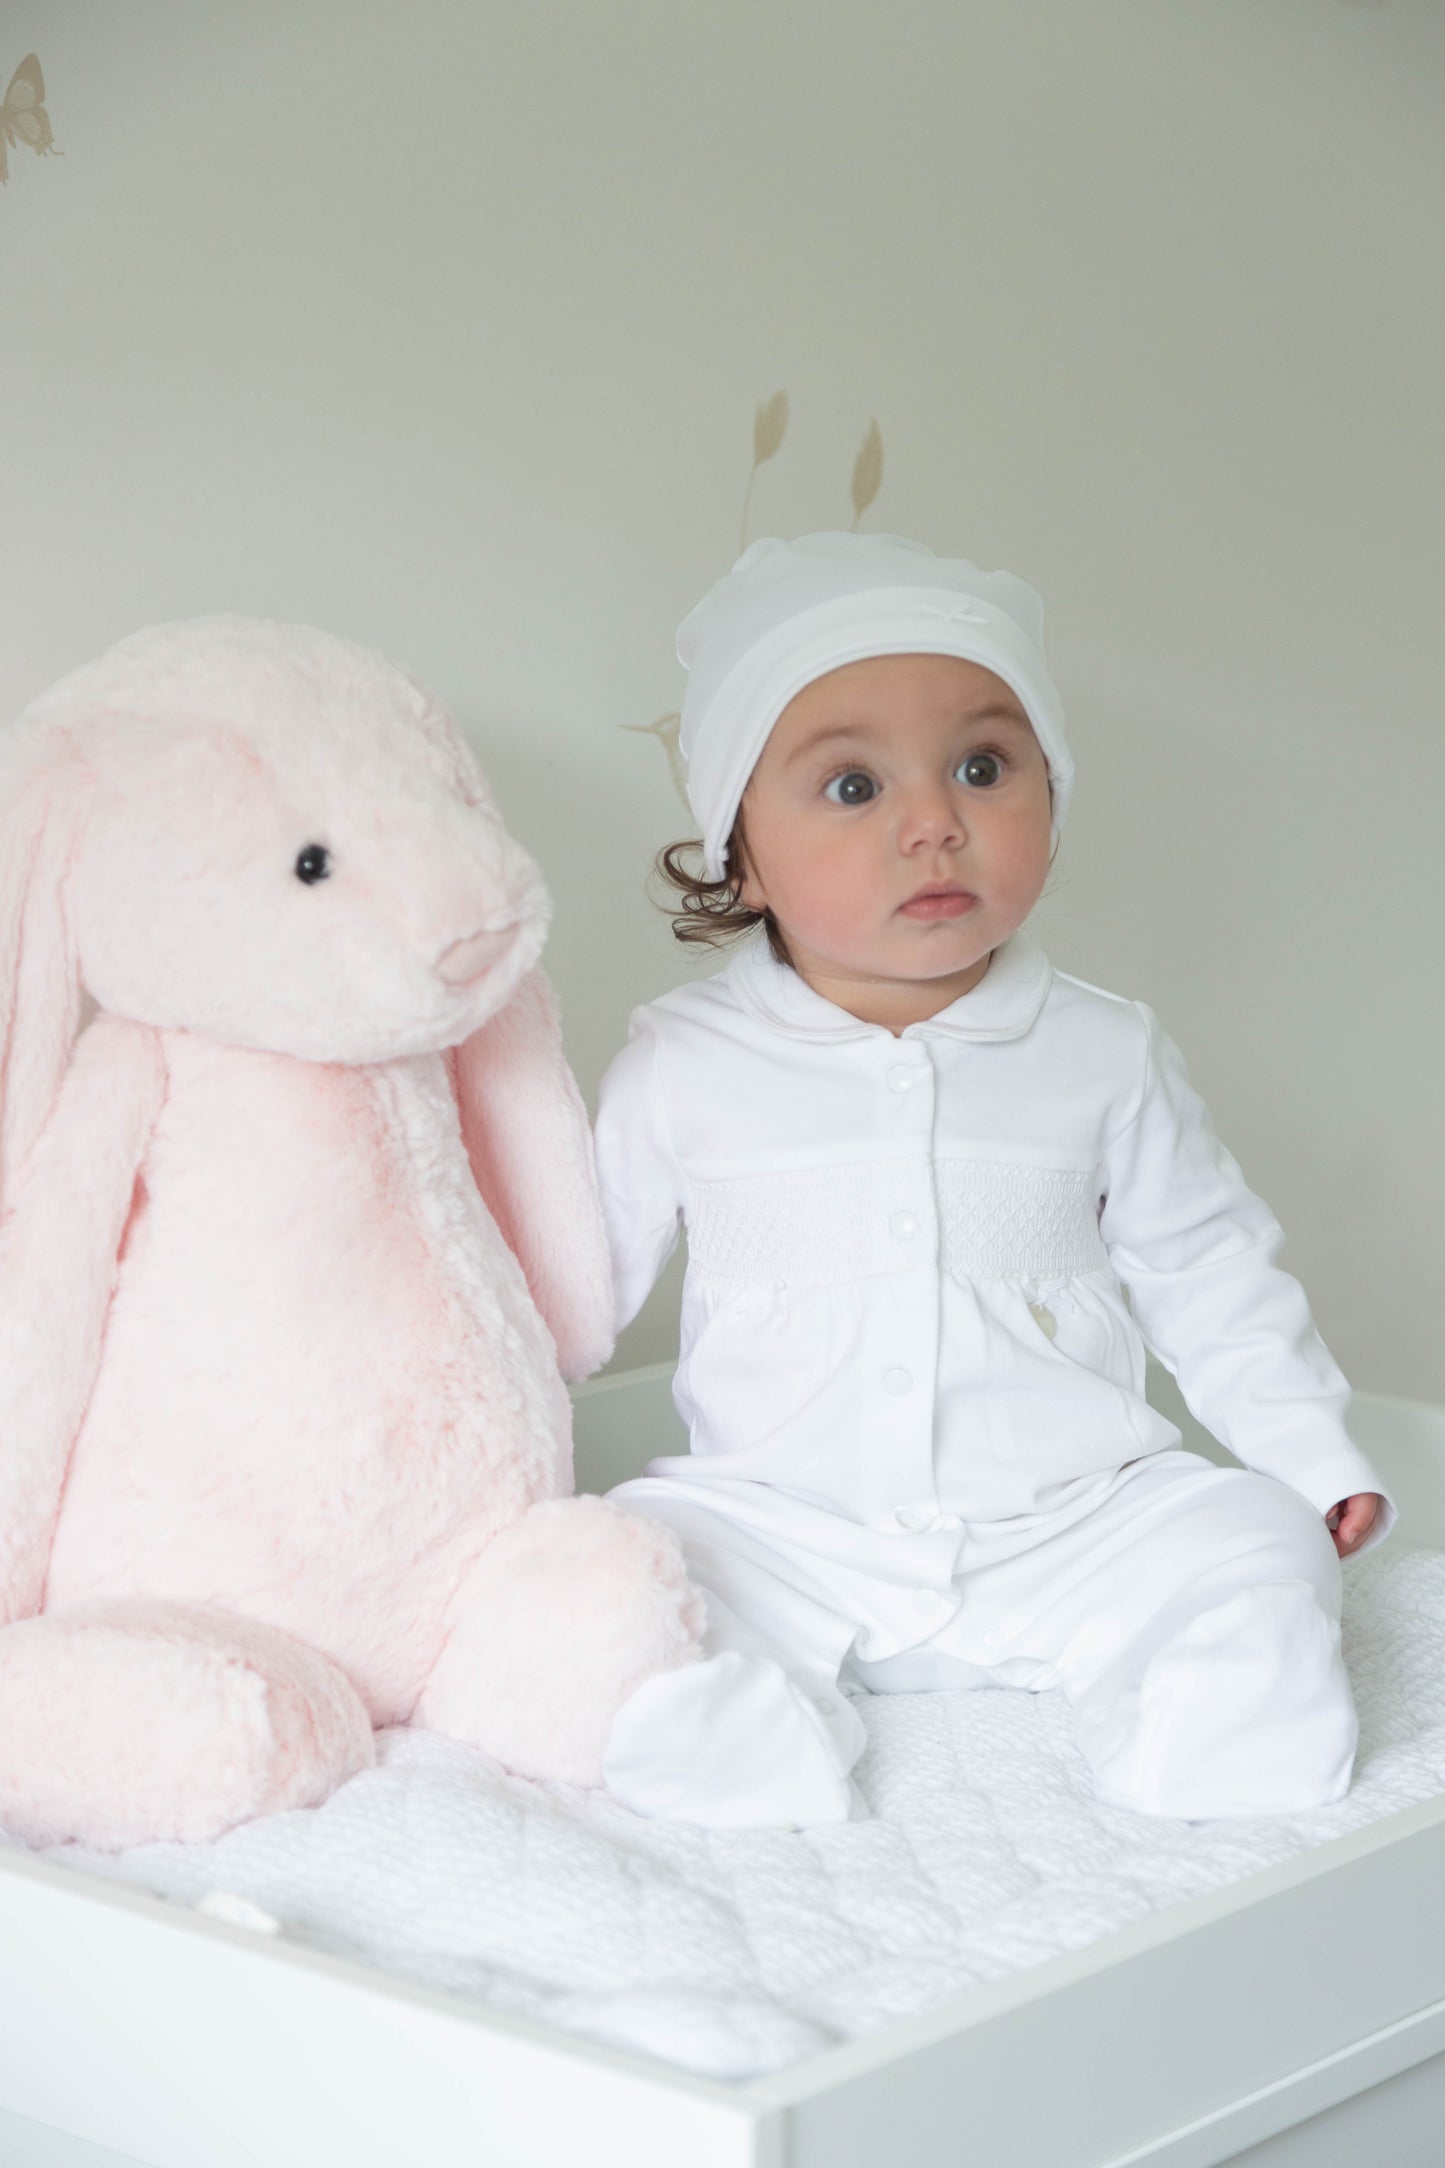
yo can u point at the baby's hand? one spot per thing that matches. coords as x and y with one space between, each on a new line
1352 1519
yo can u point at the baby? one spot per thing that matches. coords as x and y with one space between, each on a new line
940 1197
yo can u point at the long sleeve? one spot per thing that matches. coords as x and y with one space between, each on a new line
1196 1250
643 1187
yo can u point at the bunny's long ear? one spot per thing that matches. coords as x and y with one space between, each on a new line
530 1147
39 976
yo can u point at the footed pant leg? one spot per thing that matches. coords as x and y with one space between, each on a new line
1225 1693
757 1734
1193 1620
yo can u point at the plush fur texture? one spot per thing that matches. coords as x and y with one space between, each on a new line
299 1241
253 1721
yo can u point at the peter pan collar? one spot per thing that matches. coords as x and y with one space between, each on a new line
1003 1005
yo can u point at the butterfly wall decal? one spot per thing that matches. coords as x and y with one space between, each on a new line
23 118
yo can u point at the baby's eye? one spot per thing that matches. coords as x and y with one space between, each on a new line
313 863
981 769
856 787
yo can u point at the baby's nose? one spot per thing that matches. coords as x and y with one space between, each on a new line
933 813
468 958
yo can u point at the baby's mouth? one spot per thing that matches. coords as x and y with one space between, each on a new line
939 901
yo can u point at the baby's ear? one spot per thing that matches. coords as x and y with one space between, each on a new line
738 870
530 1146
40 798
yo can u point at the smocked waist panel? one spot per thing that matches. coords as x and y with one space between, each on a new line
975 1218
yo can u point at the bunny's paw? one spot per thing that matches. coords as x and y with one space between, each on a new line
565 1613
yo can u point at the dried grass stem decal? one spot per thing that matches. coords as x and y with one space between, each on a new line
867 473
769 427
665 730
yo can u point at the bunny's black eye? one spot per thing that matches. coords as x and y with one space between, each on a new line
313 864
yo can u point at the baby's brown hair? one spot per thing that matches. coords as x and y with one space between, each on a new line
711 912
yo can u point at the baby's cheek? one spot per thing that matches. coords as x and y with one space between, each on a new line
1020 849
825 893
840 922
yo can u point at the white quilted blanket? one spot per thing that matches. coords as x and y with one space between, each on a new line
736 1954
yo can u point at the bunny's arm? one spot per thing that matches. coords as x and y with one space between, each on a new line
59 1248
530 1148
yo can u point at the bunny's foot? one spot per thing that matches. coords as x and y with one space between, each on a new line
129 1721
564 1614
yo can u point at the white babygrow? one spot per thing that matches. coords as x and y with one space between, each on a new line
922 1272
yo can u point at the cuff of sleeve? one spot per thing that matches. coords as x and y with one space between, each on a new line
1341 1474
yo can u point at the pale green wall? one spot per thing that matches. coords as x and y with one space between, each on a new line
444 326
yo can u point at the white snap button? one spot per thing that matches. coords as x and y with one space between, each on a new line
903 1080
897 1381
925 1599
913 1516
1044 1318
903 1225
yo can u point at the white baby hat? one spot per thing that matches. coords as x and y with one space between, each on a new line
789 611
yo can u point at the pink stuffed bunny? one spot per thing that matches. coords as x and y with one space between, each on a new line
295 1237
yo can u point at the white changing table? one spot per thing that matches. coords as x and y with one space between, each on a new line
1294 2019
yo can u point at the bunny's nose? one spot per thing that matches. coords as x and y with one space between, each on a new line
468 959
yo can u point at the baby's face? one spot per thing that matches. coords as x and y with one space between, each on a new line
884 778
